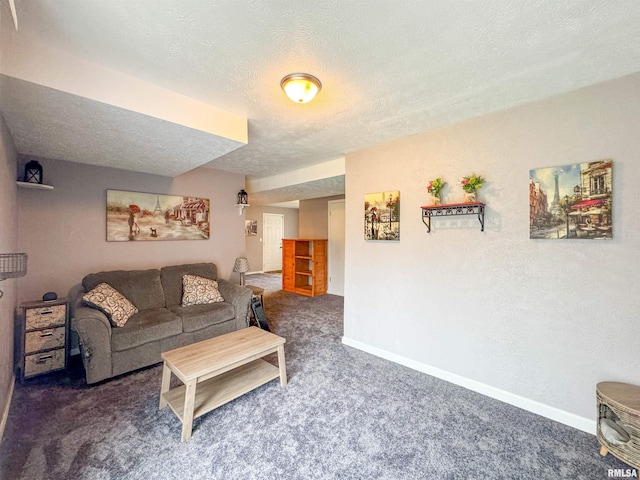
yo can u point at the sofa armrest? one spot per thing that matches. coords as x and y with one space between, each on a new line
75 294
94 334
239 297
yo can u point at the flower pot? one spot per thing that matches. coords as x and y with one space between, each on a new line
435 200
469 197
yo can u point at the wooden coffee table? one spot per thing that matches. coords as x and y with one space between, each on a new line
217 370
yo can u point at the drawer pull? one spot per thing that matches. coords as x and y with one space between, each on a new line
50 334
43 358
46 312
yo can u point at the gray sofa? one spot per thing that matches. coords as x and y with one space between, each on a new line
161 323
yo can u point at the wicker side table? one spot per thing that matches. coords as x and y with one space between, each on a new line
620 401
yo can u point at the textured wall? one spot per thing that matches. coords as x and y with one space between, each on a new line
253 243
8 244
544 320
64 231
314 217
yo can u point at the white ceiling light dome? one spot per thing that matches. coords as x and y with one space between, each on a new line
300 87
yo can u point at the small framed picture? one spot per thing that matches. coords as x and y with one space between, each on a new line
382 216
251 227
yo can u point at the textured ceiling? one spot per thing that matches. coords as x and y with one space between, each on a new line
389 69
53 124
324 187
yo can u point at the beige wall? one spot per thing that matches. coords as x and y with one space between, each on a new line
537 323
314 217
64 231
253 244
8 244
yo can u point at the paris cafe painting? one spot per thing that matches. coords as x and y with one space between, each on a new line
382 216
571 201
150 216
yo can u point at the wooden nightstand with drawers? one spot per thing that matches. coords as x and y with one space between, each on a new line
42 337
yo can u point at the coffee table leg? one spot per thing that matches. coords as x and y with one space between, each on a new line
187 415
166 380
282 366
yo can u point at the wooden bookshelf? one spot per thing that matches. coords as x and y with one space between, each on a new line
304 266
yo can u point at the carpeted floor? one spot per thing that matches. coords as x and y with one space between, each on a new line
344 415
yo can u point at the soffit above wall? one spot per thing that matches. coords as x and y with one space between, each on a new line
46 123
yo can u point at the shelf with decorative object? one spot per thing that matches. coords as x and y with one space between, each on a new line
241 207
39 186
452 209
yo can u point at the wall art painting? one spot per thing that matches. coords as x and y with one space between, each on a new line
571 201
251 227
152 216
382 216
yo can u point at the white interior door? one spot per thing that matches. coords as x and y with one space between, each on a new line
272 228
336 247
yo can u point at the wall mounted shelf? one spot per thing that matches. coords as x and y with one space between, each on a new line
39 186
451 209
241 206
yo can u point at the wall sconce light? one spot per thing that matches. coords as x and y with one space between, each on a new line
241 266
12 265
300 87
33 172
243 201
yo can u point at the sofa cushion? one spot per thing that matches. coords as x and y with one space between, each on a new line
115 305
141 287
196 317
171 278
199 291
145 326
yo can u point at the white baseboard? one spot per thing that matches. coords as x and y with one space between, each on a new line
5 412
581 423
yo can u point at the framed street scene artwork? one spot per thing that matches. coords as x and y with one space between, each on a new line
382 216
571 201
251 227
152 216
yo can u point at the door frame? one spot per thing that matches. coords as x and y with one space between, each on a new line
331 254
263 236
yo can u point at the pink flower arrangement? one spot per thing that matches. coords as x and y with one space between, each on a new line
471 183
436 186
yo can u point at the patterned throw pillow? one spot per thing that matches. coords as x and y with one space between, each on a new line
115 305
199 291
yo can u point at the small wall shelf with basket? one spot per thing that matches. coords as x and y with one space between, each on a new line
452 209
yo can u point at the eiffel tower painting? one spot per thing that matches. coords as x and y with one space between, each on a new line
582 201
555 205
136 216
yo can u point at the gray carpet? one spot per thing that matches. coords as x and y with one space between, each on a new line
344 415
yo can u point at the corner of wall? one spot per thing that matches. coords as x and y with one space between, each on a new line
7 406
585 424
8 243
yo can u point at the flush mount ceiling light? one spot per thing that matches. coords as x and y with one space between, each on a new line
300 87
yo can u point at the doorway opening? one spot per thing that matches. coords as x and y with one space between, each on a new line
273 231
